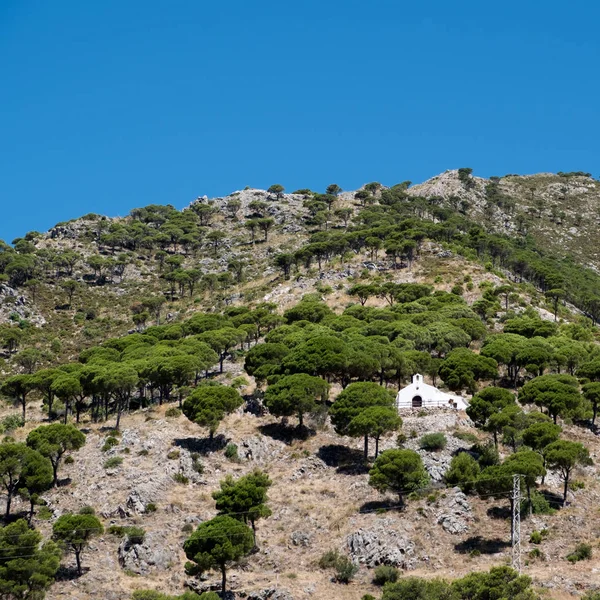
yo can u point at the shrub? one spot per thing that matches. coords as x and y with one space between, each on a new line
433 442
12 422
535 537
329 559
135 535
151 507
143 452
384 574
173 454
539 504
231 452
109 443
44 513
172 412
180 478
197 466
87 510
345 570
187 528
113 462
466 436
368 597
536 553
581 552
69 460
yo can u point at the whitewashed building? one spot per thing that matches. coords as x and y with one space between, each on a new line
422 395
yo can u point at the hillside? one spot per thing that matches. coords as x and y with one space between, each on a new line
270 330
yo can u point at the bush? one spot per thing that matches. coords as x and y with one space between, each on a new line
187 528
172 412
109 443
12 422
231 452
536 553
581 552
345 570
135 535
535 537
384 574
44 513
433 442
180 478
151 507
69 460
197 466
173 454
539 504
87 510
466 436
113 462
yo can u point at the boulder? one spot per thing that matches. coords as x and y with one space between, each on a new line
381 545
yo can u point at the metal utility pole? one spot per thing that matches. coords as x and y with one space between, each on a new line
516 524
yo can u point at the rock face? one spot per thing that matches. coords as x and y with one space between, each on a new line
381 546
455 514
141 558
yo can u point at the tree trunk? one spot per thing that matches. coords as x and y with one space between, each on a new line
376 446
23 403
565 489
223 580
8 503
300 420
55 471
78 560
366 447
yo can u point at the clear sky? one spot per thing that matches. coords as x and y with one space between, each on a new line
109 105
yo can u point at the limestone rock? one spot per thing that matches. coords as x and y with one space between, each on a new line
141 558
381 546
455 513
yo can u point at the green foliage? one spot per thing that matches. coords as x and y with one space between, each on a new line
172 412
11 422
113 462
245 499
216 544
109 442
364 410
462 368
231 452
463 471
297 394
27 566
433 442
207 405
345 570
582 552
385 574
74 532
181 478
466 436
563 456
499 582
398 471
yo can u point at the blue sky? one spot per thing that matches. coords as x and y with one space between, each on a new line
110 105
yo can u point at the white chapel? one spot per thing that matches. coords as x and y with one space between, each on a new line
422 395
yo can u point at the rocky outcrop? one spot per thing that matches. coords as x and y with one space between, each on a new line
455 512
153 552
381 545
